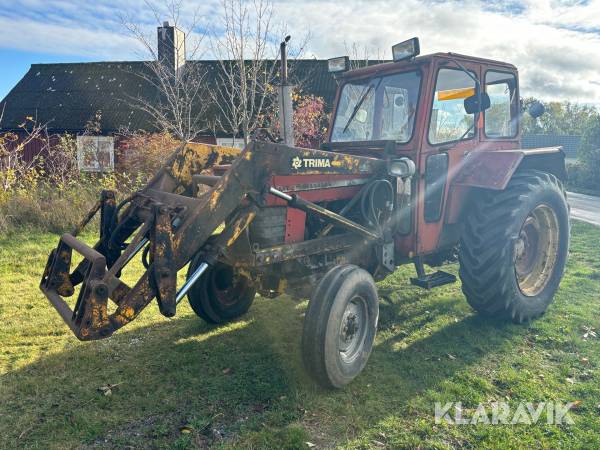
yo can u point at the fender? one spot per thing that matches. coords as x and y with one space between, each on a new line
493 170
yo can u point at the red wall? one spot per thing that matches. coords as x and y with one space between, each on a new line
37 147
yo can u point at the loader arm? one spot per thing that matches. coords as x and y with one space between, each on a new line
171 223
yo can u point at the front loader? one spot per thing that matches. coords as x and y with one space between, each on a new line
423 165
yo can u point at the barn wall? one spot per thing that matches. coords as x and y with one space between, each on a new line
35 147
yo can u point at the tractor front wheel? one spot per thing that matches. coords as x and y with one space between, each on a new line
340 326
514 247
221 294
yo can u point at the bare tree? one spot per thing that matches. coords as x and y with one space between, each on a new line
247 47
14 167
362 55
180 106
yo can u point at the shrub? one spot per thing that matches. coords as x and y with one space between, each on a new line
51 193
16 171
142 154
310 121
61 163
58 208
583 176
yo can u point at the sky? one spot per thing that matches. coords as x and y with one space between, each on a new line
554 43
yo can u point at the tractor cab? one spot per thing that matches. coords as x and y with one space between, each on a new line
447 116
425 103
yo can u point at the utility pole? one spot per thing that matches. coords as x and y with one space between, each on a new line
286 113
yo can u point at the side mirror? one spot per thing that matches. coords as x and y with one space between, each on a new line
536 109
472 105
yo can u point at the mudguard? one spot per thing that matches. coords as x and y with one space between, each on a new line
493 170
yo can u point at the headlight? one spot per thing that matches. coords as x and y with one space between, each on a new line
402 167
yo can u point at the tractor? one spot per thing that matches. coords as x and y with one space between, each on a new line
423 165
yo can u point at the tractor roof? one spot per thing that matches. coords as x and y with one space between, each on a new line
419 60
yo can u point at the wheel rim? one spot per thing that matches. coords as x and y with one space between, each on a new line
536 250
353 329
226 286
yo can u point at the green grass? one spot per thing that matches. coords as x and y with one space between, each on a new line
184 384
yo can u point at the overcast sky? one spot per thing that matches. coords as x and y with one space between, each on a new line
555 44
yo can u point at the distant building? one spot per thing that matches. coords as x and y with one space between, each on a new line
569 143
67 96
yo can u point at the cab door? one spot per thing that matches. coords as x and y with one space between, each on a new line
448 135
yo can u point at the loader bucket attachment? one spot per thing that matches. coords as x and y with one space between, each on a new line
165 219
170 222
89 318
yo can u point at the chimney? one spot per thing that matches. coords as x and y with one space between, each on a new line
171 47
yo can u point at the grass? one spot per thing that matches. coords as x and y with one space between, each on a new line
183 384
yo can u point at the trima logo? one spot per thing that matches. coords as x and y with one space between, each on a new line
500 413
310 163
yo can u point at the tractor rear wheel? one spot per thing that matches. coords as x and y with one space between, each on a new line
340 326
221 294
514 247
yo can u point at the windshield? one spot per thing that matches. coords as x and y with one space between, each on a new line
381 108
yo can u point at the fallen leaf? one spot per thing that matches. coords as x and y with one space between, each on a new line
451 356
108 388
227 371
25 431
310 444
589 332
585 360
570 380
576 404
186 429
378 443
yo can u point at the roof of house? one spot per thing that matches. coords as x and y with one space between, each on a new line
569 143
66 96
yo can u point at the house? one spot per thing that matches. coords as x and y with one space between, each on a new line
68 96
569 143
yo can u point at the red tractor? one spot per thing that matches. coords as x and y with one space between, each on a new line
423 163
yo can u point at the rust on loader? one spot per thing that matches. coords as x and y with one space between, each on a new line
419 168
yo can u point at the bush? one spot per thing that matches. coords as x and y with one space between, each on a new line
142 154
586 172
584 176
58 208
51 194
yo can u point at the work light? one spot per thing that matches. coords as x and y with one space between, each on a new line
406 50
339 64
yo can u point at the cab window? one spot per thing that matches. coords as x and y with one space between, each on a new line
449 120
379 108
499 120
